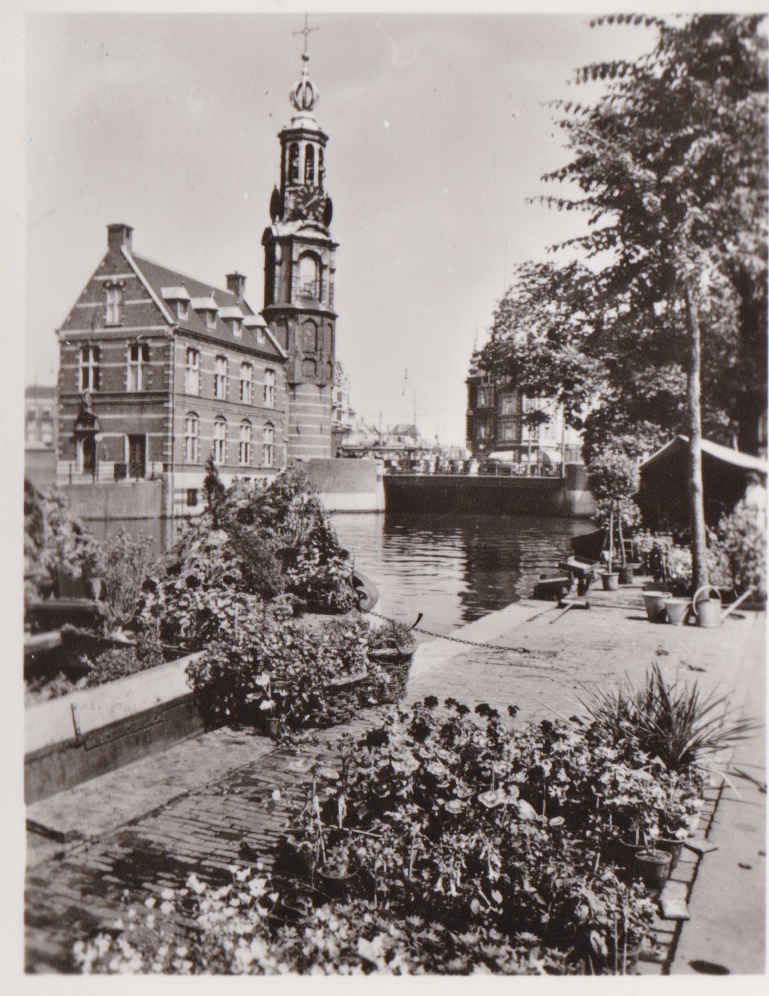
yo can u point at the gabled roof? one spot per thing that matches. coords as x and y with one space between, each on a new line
736 458
160 278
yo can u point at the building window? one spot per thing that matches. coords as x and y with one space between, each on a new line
237 329
321 168
183 310
47 427
112 304
89 378
220 440
246 383
507 404
260 338
293 163
191 438
192 372
309 166
210 318
244 450
220 377
268 445
192 497
138 357
308 276
269 388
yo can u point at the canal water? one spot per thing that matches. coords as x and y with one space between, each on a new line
451 568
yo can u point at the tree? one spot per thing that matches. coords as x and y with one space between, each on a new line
670 166
214 490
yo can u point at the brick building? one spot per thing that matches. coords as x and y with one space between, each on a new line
157 369
498 428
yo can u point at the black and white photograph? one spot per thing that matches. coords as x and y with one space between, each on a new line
394 492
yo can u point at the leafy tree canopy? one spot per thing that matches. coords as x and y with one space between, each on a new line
670 167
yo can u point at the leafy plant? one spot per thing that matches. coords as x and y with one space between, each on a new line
673 721
288 671
739 549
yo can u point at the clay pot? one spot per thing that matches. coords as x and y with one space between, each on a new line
626 574
671 846
677 610
653 866
654 601
610 580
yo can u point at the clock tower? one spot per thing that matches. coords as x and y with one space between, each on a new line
299 274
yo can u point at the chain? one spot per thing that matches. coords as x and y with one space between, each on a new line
467 643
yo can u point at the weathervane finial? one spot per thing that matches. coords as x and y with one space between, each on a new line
306 31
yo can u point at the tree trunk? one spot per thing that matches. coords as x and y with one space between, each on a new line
621 533
611 535
696 501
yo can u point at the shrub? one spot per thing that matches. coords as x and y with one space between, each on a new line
56 543
286 671
126 561
739 549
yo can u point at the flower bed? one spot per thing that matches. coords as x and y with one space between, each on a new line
440 842
300 675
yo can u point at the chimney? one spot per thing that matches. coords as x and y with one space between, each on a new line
236 283
119 236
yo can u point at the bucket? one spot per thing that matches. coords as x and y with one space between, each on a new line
610 580
655 605
707 610
653 866
677 610
626 574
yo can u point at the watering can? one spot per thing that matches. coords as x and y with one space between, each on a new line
707 610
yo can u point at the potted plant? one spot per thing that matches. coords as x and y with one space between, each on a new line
653 866
613 480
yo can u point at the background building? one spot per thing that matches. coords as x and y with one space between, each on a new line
503 424
40 434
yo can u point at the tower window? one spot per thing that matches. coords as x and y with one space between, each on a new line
308 276
309 165
220 440
244 450
89 375
293 163
220 378
191 438
269 388
192 372
138 356
268 445
321 169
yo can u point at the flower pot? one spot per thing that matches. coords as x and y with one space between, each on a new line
626 574
654 602
653 866
334 882
677 610
671 846
610 580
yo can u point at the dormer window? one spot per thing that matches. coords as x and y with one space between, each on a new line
260 337
233 316
237 328
179 297
208 307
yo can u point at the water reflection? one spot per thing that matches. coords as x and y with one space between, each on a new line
453 568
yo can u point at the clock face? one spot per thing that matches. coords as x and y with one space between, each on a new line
309 203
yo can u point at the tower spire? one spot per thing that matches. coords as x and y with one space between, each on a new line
305 95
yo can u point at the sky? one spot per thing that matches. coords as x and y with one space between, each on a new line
439 131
